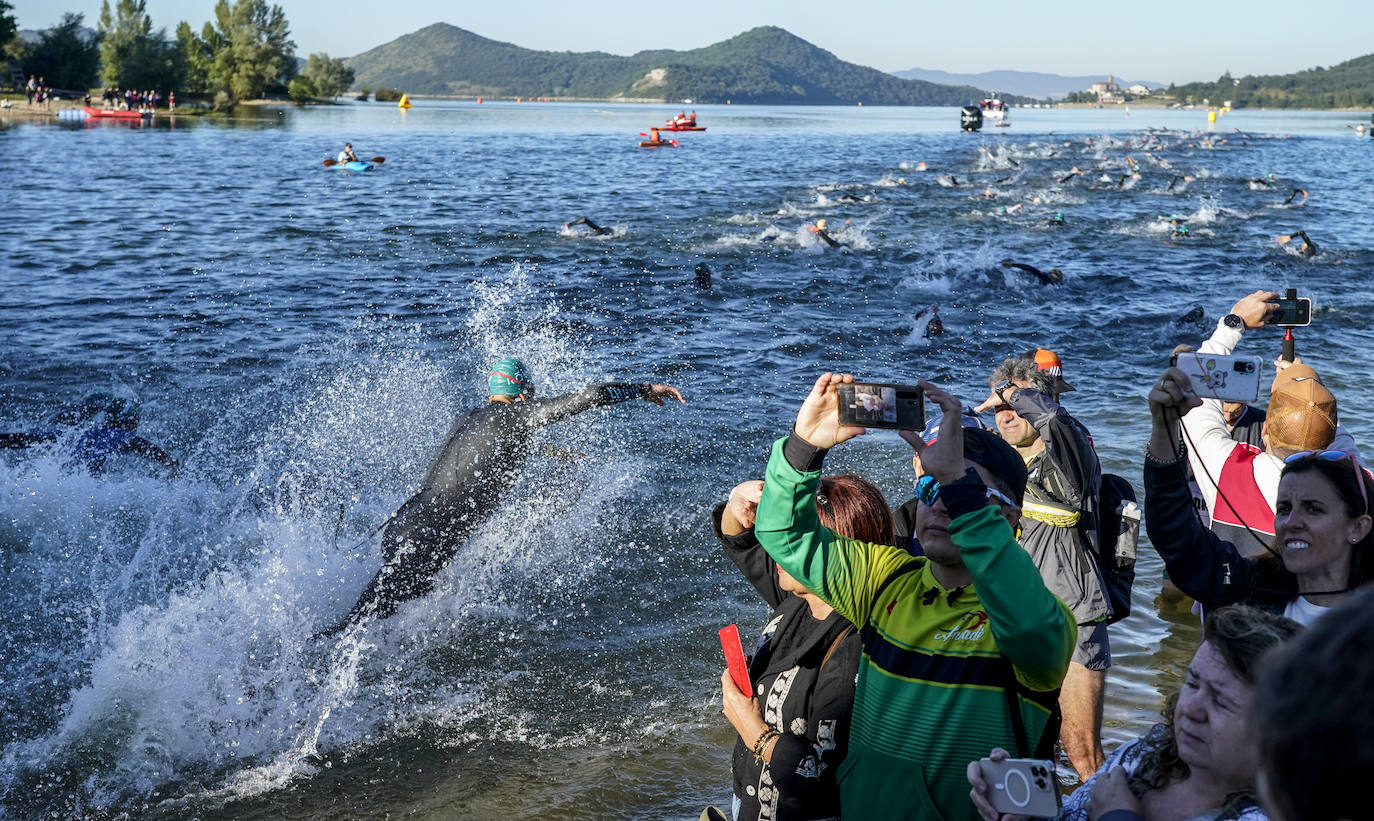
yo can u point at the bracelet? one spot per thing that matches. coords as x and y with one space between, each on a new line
761 744
1178 455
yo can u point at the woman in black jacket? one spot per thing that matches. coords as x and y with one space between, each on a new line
1323 529
793 729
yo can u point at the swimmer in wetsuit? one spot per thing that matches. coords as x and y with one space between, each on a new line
1053 276
107 427
597 229
819 230
1308 248
478 464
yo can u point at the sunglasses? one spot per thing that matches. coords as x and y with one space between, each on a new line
1336 456
928 490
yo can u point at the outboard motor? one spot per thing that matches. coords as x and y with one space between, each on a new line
970 118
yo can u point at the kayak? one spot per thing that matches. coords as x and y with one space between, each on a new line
354 166
682 128
109 114
655 143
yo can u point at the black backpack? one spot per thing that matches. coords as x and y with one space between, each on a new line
1118 532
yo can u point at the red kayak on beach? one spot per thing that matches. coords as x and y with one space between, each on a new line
110 114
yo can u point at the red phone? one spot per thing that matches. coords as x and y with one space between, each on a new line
734 658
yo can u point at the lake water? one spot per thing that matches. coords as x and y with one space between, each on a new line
300 339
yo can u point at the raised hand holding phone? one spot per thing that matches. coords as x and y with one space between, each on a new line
818 419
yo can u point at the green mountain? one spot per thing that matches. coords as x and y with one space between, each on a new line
1346 85
763 65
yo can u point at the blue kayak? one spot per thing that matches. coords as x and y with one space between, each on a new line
355 166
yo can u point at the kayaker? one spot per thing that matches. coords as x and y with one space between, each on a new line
347 154
653 136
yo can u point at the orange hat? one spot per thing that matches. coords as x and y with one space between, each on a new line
1302 412
1048 361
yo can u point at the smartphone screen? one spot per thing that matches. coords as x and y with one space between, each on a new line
734 658
1292 313
882 405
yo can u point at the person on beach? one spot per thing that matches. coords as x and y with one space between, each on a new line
479 462
1323 530
972 610
1059 530
347 154
1239 481
793 728
1199 763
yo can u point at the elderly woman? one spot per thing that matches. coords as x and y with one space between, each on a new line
1199 764
793 729
1323 532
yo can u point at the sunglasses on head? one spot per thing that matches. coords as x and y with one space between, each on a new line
1335 456
928 490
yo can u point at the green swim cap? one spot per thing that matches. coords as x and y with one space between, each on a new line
509 377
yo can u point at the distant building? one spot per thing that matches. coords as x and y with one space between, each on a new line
1108 92
1139 90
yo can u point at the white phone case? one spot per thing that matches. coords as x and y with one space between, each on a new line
1228 378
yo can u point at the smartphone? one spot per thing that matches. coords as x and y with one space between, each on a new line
1293 312
1022 786
734 658
1228 378
881 405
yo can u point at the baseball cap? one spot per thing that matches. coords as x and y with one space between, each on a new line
1048 361
999 458
931 434
1302 412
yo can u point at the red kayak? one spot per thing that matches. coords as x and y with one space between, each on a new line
682 128
109 114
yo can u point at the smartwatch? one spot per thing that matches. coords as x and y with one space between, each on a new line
1233 321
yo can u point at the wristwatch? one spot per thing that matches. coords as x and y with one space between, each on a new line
1233 321
1001 389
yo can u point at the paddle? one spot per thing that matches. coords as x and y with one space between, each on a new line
331 162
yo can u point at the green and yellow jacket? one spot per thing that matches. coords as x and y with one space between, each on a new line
937 662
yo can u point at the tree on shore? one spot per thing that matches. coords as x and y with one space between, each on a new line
196 55
132 55
329 76
9 29
256 55
65 57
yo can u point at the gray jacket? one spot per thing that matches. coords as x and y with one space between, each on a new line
1064 483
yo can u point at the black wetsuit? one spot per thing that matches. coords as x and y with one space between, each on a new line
482 458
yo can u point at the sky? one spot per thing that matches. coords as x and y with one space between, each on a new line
1163 42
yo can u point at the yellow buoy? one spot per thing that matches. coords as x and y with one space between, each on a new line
405 102
1211 116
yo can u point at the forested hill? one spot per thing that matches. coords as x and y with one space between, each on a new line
763 65
1346 85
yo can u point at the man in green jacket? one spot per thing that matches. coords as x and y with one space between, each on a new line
964 648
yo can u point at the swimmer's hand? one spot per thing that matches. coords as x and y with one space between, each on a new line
657 392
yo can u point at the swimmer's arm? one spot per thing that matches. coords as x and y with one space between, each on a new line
142 447
539 412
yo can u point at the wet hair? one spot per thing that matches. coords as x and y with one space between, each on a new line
1019 369
852 507
1315 720
1243 636
1341 475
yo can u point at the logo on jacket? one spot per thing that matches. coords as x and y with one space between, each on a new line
963 631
